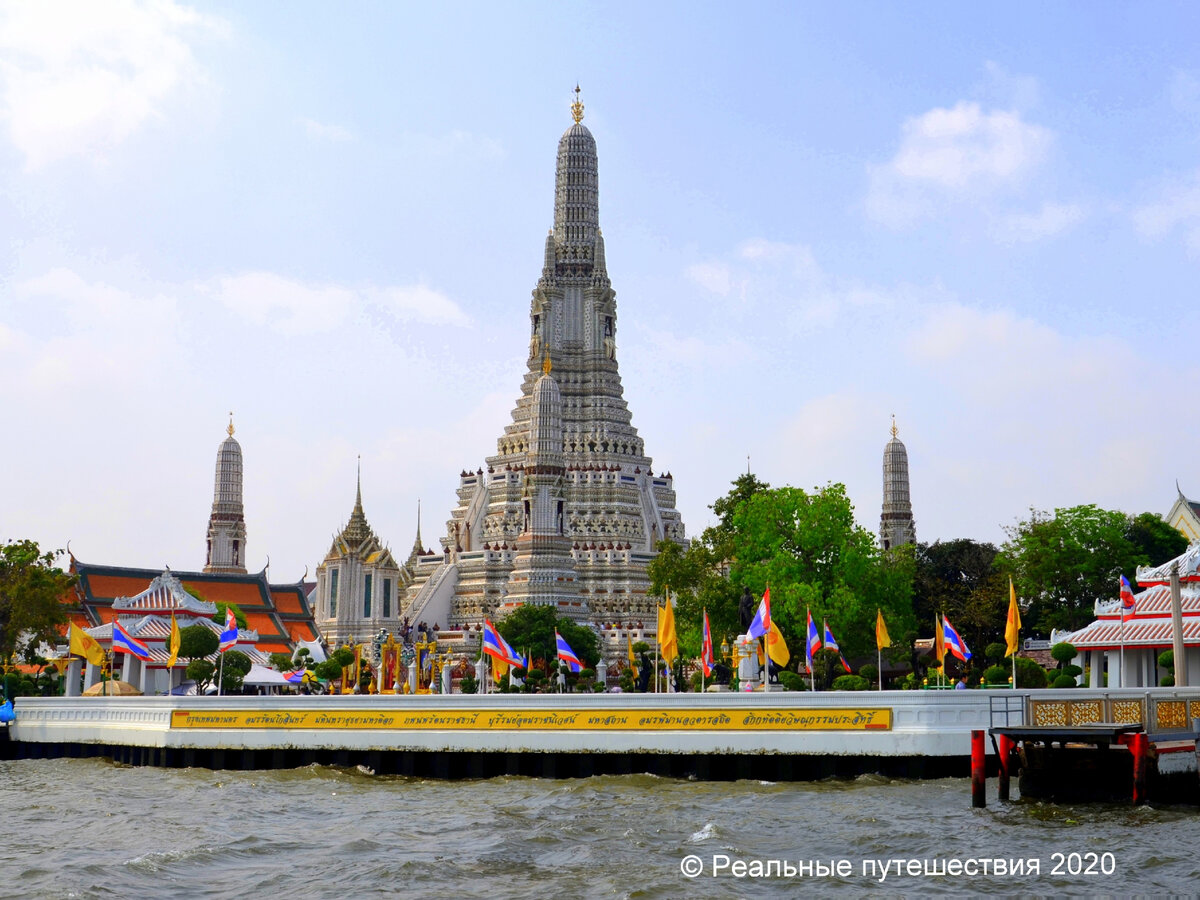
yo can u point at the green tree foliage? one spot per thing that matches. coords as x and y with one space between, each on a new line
960 579
531 628
31 597
197 642
807 547
1063 653
1063 563
1153 537
235 667
282 661
201 671
238 615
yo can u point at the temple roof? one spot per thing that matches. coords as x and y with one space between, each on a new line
1188 563
278 613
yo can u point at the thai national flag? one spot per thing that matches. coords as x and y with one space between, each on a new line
566 654
706 650
954 643
497 647
762 619
831 644
229 636
124 642
814 642
1128 601
296 677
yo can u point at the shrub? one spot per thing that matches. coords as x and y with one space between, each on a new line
1167 681
995 651
1073 671
871 673
997 675
1063 652
850 683
1166 659
792 681
1030 674
468 685
1064 681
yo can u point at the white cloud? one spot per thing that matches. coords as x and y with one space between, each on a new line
953 155
325 132
294 308
288 306
418 303
1050 220
78 78
714 277
1177 207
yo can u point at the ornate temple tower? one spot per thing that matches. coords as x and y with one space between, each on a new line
227 524
359 584
896 525
571 445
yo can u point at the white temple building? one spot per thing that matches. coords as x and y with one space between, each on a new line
227 523
568 511
1144 634
359 584
896 526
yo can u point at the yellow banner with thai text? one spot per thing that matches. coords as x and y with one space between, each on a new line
848 719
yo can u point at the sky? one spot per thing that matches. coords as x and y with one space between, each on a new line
983 219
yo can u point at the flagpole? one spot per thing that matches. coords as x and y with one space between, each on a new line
1122 643
221 676
879 661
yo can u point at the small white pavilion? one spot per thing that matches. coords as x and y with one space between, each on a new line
1144 634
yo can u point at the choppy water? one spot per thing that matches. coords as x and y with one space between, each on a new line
90 828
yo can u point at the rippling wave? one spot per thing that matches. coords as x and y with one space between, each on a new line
89 828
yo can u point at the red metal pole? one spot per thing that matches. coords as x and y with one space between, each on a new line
1005 745
978 771
1139 746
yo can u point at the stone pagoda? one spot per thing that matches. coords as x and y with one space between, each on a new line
568 511
226 552
896 526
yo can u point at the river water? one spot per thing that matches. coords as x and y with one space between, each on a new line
92 828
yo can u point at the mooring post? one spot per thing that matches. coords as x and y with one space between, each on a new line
978 770
1139 746
1004 746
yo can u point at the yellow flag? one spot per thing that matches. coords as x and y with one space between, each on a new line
83 644
667 642
632 658
939 640
173 643
777 647
499 668
881 636
1012 630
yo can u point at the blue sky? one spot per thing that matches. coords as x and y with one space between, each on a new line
329 219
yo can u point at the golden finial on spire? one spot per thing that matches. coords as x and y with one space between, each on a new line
577 107
546 364
230 428
895 433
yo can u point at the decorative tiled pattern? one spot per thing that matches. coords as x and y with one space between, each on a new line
1085 712
1170 714
1049 712
1194 710
1127 712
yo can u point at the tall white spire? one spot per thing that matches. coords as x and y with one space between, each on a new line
896 525
226 550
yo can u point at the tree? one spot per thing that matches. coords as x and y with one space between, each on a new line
960 579
31 597
1153 537
197 642
281 661
807 548
232 670
1064 563
238 615
201 671
531 628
